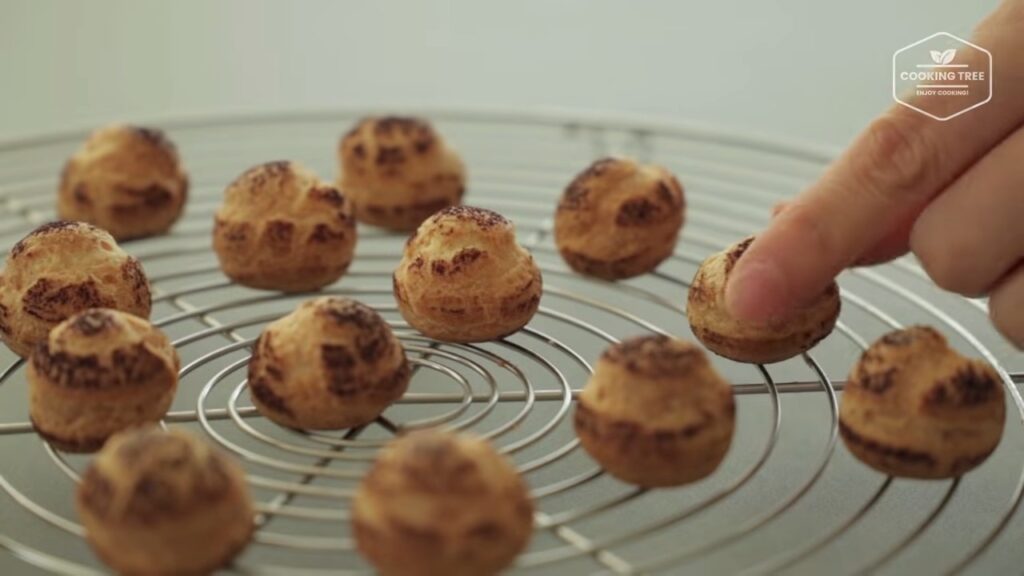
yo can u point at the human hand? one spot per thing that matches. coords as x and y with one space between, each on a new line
952 192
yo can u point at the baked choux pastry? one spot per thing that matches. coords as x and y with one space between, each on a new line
655 413
164 503
761 343
99 372
62 268
332 363
618 219
398 171
281 228
125 179
441 503
913 407
463 277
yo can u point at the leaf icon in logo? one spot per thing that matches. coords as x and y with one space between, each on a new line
936 56
948 56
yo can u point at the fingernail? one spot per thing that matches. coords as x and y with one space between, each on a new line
756 291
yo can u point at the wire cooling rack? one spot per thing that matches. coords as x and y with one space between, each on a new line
788 498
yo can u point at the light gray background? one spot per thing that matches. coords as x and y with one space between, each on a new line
809 69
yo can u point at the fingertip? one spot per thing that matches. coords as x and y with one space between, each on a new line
786 266
756 291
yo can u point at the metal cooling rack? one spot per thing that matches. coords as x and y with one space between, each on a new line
788 499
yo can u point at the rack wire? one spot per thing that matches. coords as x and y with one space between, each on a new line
788 498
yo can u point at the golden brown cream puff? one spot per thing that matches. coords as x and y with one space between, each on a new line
655 413
914 407
281 228
463 277
619 219
398 171
127 180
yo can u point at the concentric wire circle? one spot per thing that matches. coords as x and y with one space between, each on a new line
788 498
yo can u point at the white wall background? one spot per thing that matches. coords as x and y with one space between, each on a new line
814 70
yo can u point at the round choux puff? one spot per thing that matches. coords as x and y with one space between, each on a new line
618 219
914 407
464 278
398 171
281 228
99 372
441 503
164 503
655 413
127 180
333 363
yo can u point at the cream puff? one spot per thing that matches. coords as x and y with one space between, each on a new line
127 180
914 407
441 503
332 363
99 372
464 278
618 219
164 503
655 413
398 171
281 228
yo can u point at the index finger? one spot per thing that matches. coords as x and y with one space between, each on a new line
891 171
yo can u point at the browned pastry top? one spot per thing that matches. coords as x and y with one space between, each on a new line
463 246
658 382
131 154
283 196
915 367
104 348
393 147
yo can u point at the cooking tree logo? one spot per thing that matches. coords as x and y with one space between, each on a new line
943 57
942 76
